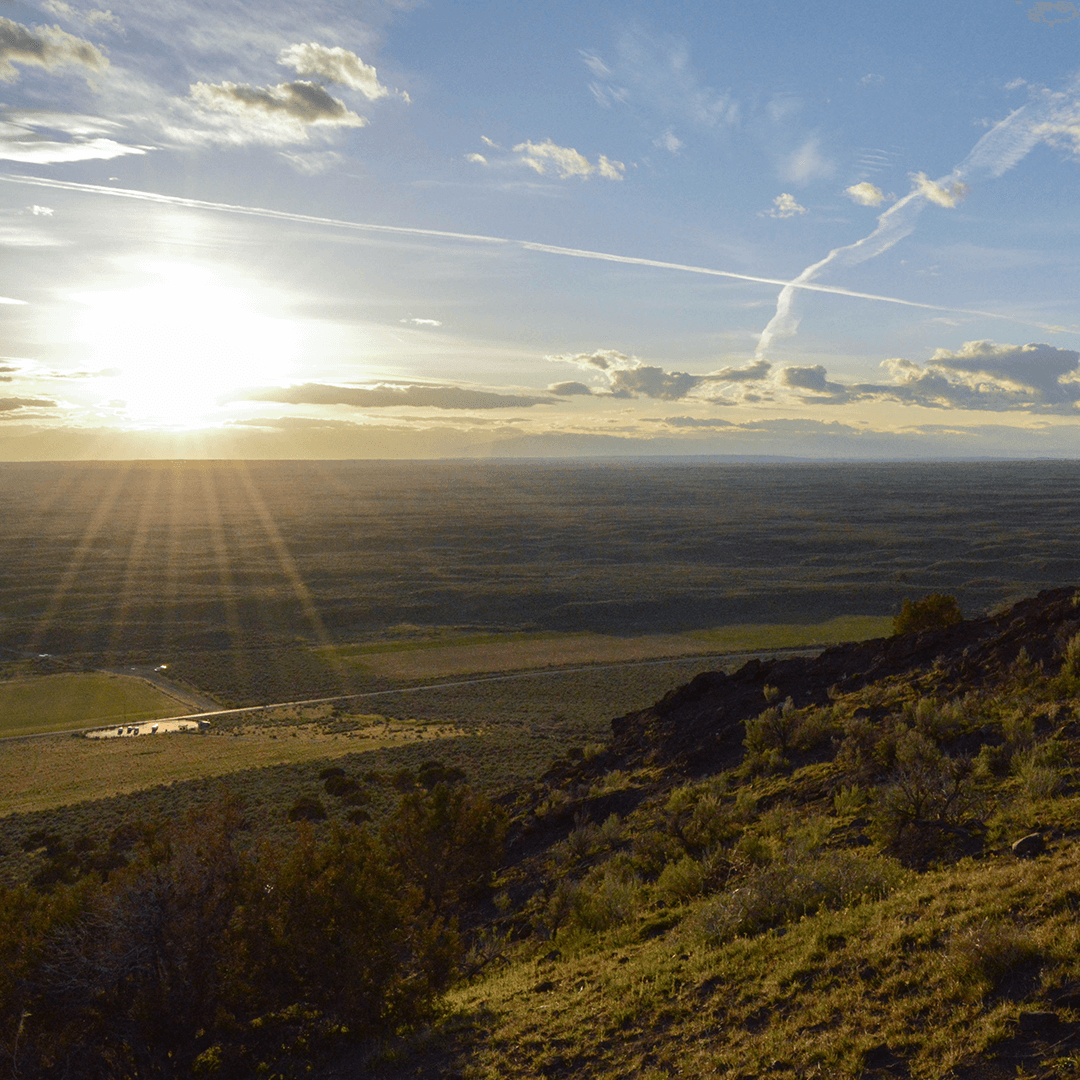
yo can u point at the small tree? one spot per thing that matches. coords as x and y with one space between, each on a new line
933 612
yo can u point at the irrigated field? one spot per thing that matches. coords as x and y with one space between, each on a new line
79 699
441 657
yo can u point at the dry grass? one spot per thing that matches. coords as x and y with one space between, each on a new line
41 774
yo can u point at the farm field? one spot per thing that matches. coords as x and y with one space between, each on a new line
475 654
79 699
514 728
39 774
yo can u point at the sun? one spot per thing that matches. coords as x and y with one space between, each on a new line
183 341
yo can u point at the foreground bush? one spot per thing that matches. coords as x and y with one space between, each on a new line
205 957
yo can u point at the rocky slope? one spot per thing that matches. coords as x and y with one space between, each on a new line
698 728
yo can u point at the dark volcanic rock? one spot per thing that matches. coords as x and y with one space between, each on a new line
699 727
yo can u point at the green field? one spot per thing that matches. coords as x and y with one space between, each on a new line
80 699
448 654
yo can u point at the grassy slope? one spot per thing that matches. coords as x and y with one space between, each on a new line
775 921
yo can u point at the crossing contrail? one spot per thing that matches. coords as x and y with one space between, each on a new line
1050 117
802 282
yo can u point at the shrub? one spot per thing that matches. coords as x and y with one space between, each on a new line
307 808
979 961
682 880
447 842
933 612
795 886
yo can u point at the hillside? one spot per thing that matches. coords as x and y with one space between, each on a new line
805 867
821 886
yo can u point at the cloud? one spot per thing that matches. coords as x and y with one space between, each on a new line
476 159
784 206
1048 117
336 64
865 194
812 379
297 103
1052 12
313 163
654 382
808 163
872 80
89 18
628 377
939 194
981 376
653 73
759 369
688 422
12 404
566 161
423 322
22 145
569 389
669 141
47 47
389 396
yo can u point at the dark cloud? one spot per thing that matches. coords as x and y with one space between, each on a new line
759 369
302 101
812 379
388 396
45 46
568 389
981 376
628 377
12 404
654 382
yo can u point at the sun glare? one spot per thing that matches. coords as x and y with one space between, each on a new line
182 342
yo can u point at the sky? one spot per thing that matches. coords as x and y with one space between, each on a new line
409 229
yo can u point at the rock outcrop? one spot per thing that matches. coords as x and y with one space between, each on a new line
699 727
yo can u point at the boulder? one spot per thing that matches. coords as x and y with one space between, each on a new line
1029 846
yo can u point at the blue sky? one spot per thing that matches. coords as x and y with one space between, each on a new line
411 229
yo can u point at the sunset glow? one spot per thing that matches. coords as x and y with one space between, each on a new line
405 230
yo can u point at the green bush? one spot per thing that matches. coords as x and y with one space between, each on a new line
933 612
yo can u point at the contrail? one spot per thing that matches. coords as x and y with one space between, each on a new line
1005 144
802 282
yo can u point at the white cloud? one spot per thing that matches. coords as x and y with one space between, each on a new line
784 206
669 141
19 142
654 74
283 111
808 163
566 161
336 64
48 47
61 10
476 159
40 211
865 194
423 322
312 163
872 80
938 194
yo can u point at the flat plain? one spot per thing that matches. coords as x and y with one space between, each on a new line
62 701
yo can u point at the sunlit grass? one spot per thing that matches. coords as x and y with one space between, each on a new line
84 699
448 653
